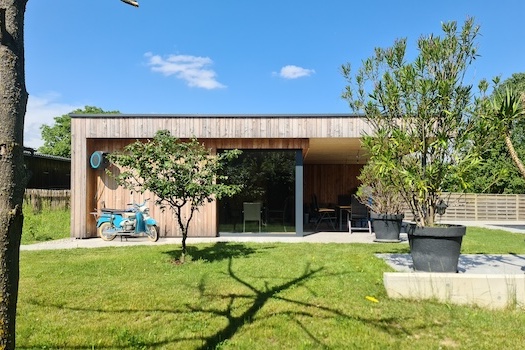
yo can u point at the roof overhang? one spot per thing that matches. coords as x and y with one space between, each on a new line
332 138
335 151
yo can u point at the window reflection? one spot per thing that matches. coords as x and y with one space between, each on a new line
268 177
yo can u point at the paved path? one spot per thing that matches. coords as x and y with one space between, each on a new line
320 237
469 263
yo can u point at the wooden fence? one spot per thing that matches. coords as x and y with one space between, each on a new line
470 206
484 207
54 199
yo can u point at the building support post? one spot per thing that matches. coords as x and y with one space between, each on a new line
299 207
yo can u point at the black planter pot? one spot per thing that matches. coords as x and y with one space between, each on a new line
387 226
436 249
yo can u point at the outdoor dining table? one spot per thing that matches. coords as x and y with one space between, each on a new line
343 209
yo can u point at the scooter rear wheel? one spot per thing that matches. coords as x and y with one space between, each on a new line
105 235
153 233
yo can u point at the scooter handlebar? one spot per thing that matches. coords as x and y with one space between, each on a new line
137 205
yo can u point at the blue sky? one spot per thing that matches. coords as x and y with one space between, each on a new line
239 57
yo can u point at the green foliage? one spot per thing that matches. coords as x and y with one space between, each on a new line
57 138
181 174
46 225
516 82
497 173
420 113
246 296
379 193
501 126
500 131
507 111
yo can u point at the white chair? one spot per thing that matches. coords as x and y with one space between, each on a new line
251 212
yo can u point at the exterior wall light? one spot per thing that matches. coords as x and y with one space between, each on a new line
441 207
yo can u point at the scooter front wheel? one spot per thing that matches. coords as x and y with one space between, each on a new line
153 233
102 232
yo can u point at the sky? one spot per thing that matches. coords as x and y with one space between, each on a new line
234 57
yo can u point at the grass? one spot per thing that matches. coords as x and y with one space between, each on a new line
246 296
45 225
485 241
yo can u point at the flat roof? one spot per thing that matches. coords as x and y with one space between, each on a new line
216 116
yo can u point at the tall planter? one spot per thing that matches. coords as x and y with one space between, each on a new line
436 249
387 227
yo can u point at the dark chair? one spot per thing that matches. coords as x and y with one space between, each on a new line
285 215
323 214
359 214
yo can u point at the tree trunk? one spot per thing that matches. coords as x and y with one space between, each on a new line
13 101
183 231
183 250
514 155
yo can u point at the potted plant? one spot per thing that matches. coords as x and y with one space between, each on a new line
420 113
384 202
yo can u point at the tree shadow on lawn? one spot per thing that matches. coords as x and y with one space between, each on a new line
262 296
259 297
217 252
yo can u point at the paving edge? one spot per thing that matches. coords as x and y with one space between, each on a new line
493 291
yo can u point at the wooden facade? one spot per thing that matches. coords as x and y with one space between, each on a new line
329 144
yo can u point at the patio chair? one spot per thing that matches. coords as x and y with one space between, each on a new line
251 212
358 214
324 214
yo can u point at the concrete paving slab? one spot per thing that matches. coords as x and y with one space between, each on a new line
468 263
492 281
319 237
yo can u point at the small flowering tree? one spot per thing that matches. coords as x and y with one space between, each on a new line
183 175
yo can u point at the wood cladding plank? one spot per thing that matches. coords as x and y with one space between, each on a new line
123 126
328 181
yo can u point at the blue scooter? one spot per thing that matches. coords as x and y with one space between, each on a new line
134 221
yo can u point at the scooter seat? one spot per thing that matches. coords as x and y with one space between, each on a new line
110 210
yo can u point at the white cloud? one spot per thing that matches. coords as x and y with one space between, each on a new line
192 69
42 109
294 72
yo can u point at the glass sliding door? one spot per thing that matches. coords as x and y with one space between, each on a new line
268 178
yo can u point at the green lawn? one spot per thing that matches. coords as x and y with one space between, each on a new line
246 296
45 225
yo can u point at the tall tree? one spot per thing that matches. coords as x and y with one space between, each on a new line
507 111
183 175
57 138
419 114
13 177
509 116
503 137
